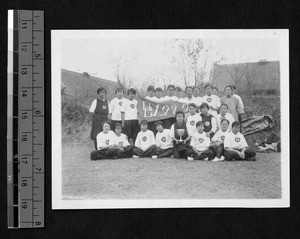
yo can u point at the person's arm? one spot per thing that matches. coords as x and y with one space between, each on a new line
152 138
213 124
239 108
93 107
110 108
157 141
187 139
173 134
138 141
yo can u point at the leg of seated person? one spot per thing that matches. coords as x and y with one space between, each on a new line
149 152
97 155
137 151
208 154
250 153
165 153
111 153
218 150
231 155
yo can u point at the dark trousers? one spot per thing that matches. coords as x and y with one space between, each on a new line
109 153
126 153
131 129
163 153
113 124
218 149
231 155
151 126
206 154
182 151
144 154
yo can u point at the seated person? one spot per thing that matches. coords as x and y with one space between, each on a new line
145 142
123 148
217 144
164 142
236 147
209 121
105 144
181 140
191 119
200 144
224 115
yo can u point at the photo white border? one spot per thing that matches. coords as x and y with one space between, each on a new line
56 40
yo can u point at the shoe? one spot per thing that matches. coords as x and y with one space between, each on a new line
206 159
135 157
216 159
190 158
222 158
154 156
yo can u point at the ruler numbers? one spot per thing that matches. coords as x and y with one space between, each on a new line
31 119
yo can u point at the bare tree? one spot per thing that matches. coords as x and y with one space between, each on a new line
236 72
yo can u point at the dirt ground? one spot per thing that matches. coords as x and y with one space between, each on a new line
167 178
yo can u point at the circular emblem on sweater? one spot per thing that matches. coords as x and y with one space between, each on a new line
132 106
237 139
163 139
121 143
200 140
223 137
120 103
107 142
144 138
192 122
209 100
207 123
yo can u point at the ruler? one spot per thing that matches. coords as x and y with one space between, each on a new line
25 191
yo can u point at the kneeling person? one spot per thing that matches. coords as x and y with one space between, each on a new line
105 144
235 145
123 148
164 143
200 143
145 142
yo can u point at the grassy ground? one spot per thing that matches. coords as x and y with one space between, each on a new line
167 178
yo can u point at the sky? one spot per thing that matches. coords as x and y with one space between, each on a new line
148 60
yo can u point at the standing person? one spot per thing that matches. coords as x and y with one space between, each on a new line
213 101
131 123
234 105
191 119
181 139
99 111
105 144
179 93
145 145
217 144
200 144
236 147
171 96
209 121
196 92
159 94
151 93
241 103
164 142
215 90
116 107
190 98
123 148
224 115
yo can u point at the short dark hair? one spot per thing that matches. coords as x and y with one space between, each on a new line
101 89
233 87
204 105
105 122
199 123
150 87
178 88
223 104
228 86
158 122
188 87
158 89
235 123
118 125
225 120
179 112
193 105
207 85
170 86
131 90
144 122
119 89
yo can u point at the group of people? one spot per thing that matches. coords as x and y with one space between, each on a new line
209 131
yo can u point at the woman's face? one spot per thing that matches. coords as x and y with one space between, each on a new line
179 118
189 92
120 94
106 127
228 91
223 110
224 125
192 110
208 90
204 110
102 94
196 92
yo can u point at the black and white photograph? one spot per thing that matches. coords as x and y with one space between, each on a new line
170 118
